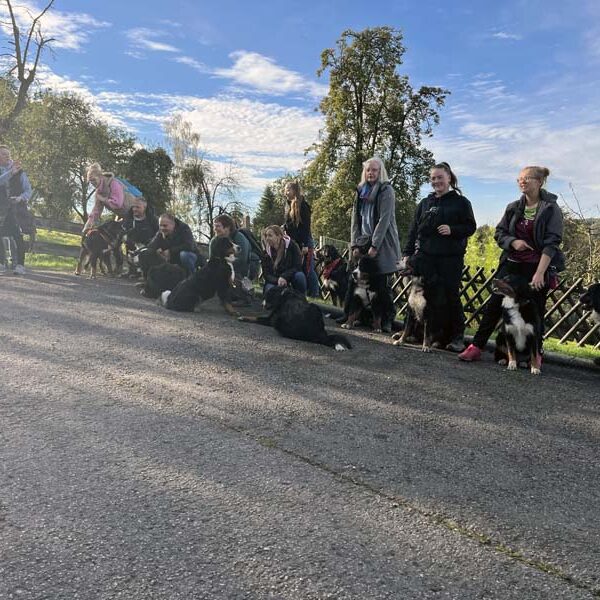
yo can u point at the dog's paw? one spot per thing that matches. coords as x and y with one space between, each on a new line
396 336
426 349
536 371
378 330
340 347
346 326
502 362
512 365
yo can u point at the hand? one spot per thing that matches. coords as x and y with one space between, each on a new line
402 263
372 252
356 253
281 282
167 254
444 230
537 281
16 167
520 245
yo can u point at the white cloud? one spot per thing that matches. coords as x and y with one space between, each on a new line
503 35
146 39
193 63
262 74
70 30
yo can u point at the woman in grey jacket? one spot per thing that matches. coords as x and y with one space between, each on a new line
530 234
374 222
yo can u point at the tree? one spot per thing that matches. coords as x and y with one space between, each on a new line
269 210
24 59
210 188
151 172
57 137
370 110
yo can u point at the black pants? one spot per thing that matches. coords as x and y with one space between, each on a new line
493 309
10 228
449 271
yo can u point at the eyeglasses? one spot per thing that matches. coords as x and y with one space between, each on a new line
527 179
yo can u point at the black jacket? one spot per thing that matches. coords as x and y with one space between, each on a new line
181 239
301 233
547 228
290 264
451 209
142 231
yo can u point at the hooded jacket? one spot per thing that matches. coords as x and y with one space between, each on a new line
290 264
182 239
451 209
547 228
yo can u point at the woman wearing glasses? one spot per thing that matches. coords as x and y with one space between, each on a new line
529 234
436 246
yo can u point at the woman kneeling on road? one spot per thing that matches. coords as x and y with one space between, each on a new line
282 263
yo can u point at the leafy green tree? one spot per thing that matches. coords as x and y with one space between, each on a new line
370 109
269 210
151 171
482 249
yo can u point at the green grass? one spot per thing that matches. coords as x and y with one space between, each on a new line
51 262
56 237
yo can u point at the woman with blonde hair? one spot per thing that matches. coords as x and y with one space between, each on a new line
373 229
109 193
282 262
298 226
529 233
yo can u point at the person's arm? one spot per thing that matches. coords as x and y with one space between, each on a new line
355 225
468 225
154 243
553 233
295 262
502 235
242 259
26 186
267 269
304 228
387 212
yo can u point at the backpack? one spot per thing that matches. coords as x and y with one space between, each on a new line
255 246
130 195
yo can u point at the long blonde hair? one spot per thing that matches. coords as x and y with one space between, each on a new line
296 201
383 176
278 231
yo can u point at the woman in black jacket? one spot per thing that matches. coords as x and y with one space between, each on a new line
282 261
298 226
530 234
438 236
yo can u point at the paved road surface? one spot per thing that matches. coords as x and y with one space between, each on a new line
152 455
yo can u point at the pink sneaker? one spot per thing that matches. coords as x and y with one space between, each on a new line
471 354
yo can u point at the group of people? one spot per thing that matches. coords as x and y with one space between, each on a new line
529 234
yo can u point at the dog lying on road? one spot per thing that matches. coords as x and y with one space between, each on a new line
215 278
296 318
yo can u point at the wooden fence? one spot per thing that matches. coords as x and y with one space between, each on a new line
565 318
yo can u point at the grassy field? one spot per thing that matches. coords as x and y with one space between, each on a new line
57 237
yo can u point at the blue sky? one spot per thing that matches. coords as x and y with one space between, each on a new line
523 75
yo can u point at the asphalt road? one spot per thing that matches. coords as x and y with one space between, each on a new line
152 455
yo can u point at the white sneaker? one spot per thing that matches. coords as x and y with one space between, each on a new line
19 270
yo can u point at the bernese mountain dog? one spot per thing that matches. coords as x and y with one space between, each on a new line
369 295
296 318
519 335
216 277
334 273
590 300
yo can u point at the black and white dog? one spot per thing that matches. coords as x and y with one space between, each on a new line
425 306
334 273
158 275
98 245
519 335
590 300
296 318
369 295
216 277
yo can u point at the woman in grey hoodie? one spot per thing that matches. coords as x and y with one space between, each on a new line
530 234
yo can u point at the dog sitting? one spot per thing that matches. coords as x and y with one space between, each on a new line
97 245
425 306
296 318
590 300
519 336
334 273
369 299
216 277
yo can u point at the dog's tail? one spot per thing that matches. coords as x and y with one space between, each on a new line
336 341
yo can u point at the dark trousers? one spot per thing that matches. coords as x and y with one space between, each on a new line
10 228
493 309
449 271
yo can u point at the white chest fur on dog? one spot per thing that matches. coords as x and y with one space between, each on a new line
517 327
417 302
364 294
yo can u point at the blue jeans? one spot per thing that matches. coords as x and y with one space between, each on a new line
298 283
188 261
